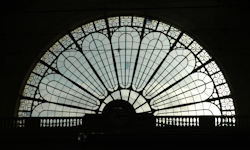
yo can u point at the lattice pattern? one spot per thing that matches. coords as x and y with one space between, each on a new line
152 65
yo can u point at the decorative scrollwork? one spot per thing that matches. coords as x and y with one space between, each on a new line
152 65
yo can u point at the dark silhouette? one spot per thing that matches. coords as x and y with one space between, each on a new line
28 28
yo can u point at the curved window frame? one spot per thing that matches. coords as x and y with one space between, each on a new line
51 83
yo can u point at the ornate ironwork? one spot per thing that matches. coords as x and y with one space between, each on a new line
152 65
154 122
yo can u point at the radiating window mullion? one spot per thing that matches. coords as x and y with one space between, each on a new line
143 74
112 50
168 74
103 75
71 95
101 92
139 49
161 63
176 96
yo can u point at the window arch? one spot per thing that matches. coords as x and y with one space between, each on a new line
150 64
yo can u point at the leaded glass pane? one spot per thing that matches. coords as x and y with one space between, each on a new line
153 66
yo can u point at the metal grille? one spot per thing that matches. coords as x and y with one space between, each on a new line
150 64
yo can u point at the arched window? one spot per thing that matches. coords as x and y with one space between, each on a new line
152 65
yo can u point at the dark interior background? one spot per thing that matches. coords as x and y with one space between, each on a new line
28 28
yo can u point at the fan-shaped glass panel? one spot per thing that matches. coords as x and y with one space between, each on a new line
150 64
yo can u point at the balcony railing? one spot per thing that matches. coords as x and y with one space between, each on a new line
158 122
196 121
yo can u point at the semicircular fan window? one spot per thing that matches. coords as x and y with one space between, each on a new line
152 65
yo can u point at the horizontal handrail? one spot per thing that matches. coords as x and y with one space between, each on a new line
196 121
159 121
35 122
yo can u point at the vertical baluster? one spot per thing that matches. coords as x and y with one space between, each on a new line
184 121
41 122
21 122
230 121
194 121
220 121
164 122
225 118
216 121
234 121
44 122
198 121
159 122
51 122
